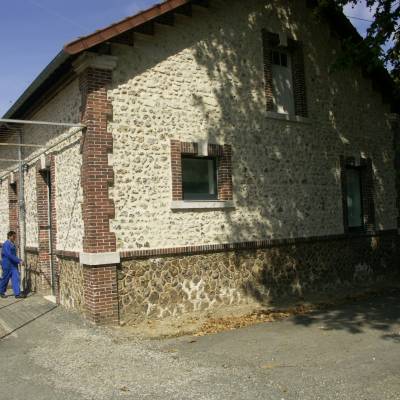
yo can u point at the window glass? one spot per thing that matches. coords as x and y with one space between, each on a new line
284 60
276 58
199 178
354 199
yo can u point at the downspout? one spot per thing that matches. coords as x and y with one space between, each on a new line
50 235
21 214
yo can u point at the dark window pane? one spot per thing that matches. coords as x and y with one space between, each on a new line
276 59
284 60
199 178
354 201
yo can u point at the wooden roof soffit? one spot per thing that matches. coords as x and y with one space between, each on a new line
122 32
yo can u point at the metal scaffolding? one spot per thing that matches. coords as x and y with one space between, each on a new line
21 189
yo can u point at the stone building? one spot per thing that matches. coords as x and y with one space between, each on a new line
224 161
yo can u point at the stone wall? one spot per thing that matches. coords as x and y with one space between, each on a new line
33 275
204 79
69 198
31 207
64 106
4 210
159 287
70 284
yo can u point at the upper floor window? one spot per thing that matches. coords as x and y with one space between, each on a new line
284 74
282 82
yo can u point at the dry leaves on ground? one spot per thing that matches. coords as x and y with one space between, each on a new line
216 325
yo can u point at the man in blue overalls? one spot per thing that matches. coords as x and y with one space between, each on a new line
10 263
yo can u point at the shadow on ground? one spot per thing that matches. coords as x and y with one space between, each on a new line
357 317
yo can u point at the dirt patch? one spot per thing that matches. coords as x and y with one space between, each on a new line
231 318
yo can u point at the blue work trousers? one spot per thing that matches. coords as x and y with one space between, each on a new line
13 274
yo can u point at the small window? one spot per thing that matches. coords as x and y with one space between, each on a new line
355 214
280 58
199 178
282 83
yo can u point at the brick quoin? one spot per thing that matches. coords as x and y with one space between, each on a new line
13 207
53 212
100 282
43 228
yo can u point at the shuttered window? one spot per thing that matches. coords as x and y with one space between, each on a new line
284 76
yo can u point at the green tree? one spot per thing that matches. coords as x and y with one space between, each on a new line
382 43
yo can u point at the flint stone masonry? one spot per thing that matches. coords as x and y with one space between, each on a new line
34 278
71 284
69 198
154 288
31 207
63 107
203 79
4 210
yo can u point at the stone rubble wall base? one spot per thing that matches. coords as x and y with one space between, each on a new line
159 287
70 283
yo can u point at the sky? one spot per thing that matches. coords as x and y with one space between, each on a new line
32 32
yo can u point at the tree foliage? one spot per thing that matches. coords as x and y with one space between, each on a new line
383 37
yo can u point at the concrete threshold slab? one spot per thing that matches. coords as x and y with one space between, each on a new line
51 299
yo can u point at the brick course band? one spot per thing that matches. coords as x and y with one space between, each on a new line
67 254
260 244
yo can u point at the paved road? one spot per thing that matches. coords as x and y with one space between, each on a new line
352 352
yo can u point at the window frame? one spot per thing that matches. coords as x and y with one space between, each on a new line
294 49
364 165
361 228
223 156
215 164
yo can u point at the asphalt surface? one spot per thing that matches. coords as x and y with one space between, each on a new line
352 352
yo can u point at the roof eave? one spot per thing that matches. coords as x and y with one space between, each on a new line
60 59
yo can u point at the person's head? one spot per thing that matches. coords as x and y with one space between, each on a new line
12 236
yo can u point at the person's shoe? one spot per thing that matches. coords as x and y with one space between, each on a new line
20 296
3 296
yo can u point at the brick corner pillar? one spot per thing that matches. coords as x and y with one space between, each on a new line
99 257
13 204
44 222
394 120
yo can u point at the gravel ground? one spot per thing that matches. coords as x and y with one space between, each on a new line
348 353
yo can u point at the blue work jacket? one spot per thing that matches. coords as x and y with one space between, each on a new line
9 255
